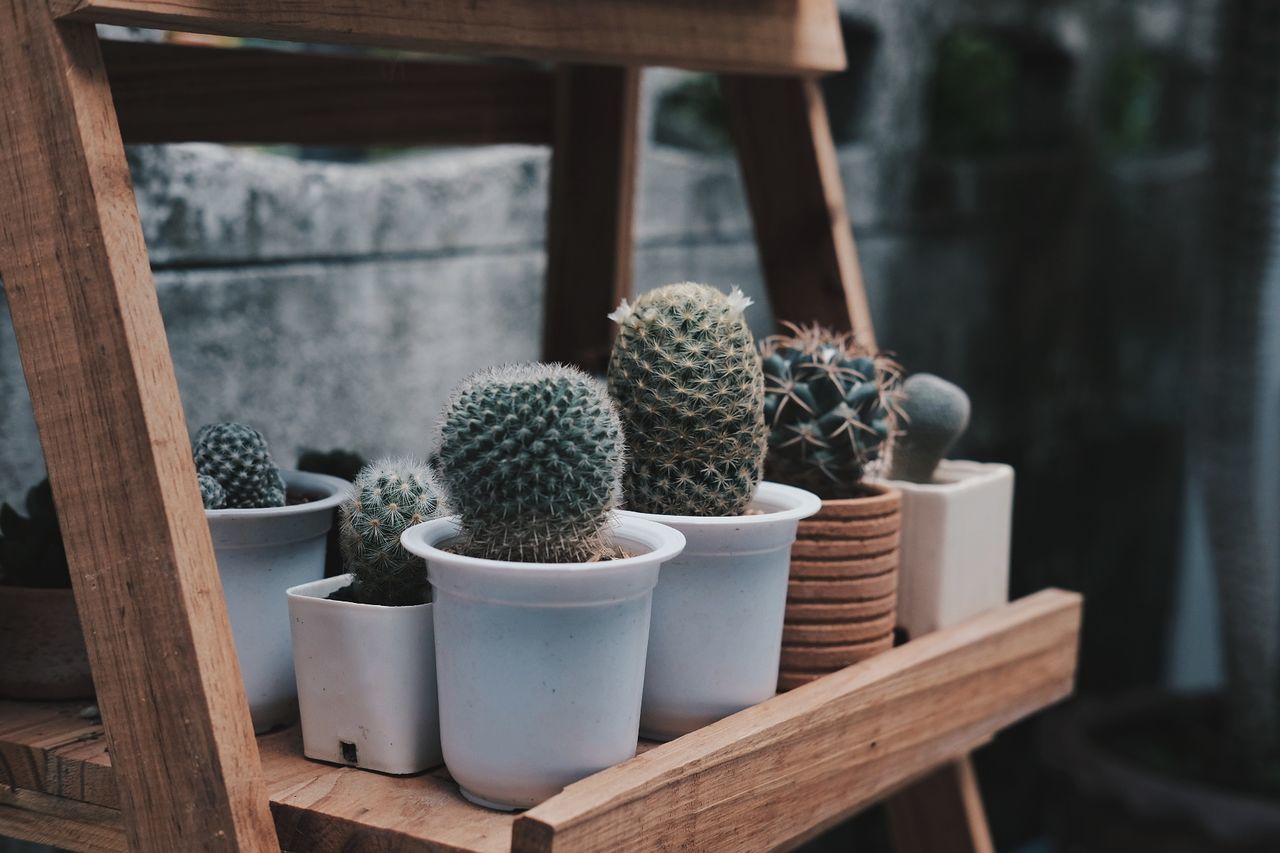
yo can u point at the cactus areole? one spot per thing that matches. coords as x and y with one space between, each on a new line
389 497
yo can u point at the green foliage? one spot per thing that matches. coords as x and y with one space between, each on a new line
531 458
212 495
686 377
972 96
830 406
31 552
692 114
236 456
390 496
935 413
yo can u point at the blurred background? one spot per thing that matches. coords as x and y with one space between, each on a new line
1067 207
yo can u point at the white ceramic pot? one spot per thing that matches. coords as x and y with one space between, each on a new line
954 558
718 611
366 680
539 666
262 553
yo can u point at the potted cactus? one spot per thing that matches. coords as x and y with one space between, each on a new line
541 594
830 409
363 642
956 515
687 379
268 528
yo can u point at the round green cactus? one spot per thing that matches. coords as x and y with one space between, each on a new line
212 495
236 456
390 496
686 377
830 405
531 459
935 413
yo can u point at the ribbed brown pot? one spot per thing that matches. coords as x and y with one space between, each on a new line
43 647
842 597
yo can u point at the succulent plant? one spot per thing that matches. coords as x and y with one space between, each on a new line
686 377
531 459
212 495
830 404
934 415
31 551
236 456
389 496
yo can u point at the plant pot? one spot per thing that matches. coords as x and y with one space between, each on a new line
366 680
44 656
955 545
841 599
540 667
717 613
261 554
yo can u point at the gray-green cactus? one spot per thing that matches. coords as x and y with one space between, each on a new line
830 406
390 496
935 413
531 460
212 495
686 377
236 456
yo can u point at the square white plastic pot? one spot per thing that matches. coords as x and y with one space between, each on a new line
366 680
954 560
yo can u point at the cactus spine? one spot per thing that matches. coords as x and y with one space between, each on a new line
236 456
934 413
390 496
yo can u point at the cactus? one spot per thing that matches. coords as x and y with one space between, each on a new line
212 495
531 459
934 414
390 496
236 456
830 406
687 380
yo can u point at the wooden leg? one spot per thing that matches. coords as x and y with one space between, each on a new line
941 813
792 177
589 225
93 348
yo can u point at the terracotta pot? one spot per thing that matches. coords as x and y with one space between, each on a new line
800 612
832 657
851 631
44 655
843 589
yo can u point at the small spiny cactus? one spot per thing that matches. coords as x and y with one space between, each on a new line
389 496
236 456
686 377
935 413
212 495
531 458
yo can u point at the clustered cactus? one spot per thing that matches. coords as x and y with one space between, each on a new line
686 377
212 495
934 414
390 496
531 458
236 456
831 407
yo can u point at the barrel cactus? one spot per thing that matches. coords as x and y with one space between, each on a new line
390 496
531 460
686 377
212 495
236 456
831 408
934 414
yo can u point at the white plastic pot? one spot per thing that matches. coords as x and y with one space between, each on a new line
718 611
366 680
539 666
954 559
261 554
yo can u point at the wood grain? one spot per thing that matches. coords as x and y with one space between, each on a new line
765 36
941 813
185 93
96 360
792 178
59 822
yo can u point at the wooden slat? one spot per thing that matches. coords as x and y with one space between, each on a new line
941 813
184 93
93 348
589 224
59 822
766 775
754 36
792 177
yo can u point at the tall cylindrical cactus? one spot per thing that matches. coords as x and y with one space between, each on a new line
530 459
686 377
390 496
236 456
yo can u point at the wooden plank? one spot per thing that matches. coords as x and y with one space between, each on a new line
760 36
762 777
941 813
93 348
63 823
792 178
589 224
184 93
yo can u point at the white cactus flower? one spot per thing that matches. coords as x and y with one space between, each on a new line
622 312
738 301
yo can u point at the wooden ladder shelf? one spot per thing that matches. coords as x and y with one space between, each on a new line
185 772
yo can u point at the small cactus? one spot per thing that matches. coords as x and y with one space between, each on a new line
212 495
531 458
935 413
236 456
830 406
686 377
389 496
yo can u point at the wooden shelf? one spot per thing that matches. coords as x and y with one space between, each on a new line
766 777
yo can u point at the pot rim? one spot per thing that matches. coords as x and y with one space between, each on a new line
338 489
337 582
796 503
